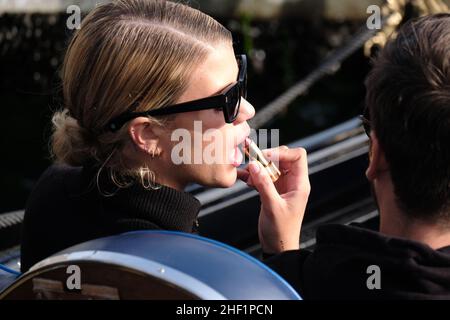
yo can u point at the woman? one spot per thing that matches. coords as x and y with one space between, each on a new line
136 72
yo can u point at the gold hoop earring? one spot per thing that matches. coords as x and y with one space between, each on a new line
148 179
104 193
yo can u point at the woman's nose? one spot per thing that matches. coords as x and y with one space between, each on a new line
246 111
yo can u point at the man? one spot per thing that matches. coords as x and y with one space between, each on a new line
408 117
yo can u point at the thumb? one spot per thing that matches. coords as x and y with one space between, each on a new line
243 175
263 183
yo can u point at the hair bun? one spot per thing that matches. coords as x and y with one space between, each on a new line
71 144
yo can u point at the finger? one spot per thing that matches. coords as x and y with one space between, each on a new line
243 174
287 158
293 164
250 182
272 153
263 183
282 154
269 150
299 166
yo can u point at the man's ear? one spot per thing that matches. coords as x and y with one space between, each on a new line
144 134
377 159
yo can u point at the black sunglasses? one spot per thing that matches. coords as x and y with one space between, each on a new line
229 100
366 123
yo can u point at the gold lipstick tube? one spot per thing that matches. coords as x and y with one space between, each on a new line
254 153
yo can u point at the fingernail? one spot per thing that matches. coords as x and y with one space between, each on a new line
254 168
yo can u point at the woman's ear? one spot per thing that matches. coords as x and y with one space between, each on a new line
144 134
377 159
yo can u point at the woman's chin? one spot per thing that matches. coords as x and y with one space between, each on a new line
228 184
225 179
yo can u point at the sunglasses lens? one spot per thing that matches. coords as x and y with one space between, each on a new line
243 76
243 86
234 101
366 125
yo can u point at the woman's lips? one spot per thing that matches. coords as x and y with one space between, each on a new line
237 157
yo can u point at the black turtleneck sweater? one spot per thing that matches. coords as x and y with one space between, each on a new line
66 208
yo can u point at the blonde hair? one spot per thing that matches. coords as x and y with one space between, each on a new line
128 54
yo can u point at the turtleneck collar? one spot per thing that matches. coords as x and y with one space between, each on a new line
164 208
136 208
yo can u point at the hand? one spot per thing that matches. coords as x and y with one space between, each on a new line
283 203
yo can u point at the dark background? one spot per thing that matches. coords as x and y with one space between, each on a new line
32 48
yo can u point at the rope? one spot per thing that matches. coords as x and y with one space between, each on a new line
330 66
10 219
392 16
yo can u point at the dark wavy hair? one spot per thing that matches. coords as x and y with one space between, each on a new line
408 100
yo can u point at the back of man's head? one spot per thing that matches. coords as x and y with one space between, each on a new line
408 101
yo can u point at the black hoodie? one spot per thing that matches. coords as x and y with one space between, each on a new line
340 267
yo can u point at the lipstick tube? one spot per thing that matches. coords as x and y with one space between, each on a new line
254 153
